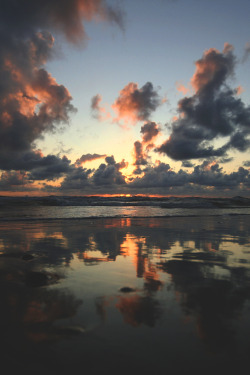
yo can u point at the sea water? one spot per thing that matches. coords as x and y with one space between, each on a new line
59 207
97 294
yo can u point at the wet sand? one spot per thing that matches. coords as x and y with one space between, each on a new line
117 295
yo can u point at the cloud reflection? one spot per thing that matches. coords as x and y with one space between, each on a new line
143 272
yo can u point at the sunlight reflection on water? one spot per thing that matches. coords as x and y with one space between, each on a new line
138 292
67 212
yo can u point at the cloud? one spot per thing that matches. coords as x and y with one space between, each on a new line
246 52
109 174
106 176
213 112
209 175
225 160
133 105
88 157
13 180
181 88
136 104
160 176
32 103
98 112
149 132
50 167
22 18
240 90
78 179
213 69
139 155
187 164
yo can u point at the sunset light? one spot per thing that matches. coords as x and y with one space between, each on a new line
124 187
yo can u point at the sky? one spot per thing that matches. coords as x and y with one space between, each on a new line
125 97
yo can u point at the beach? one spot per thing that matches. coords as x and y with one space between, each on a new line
121 294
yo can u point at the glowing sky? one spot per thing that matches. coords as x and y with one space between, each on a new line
125 97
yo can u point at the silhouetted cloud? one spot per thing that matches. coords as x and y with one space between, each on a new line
208 174
149 131
13 180
88 157
140 157
225 160
246 163
50 167
160 176
213 112
78 179
109 174
187 164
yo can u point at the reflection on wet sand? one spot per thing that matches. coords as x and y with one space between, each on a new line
160 289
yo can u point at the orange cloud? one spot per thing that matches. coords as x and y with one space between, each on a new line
126 108
239 90
212 68
136 104
209 165
181 88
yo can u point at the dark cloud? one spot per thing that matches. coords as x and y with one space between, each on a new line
65 16
246 163
32 103
149 132
13 180
50 167
187 164
78 179
106 177
213 112
39 167
139 155
208 174
215 178
239 141
207 178
88 157
160 176
88 180
225 160
109 174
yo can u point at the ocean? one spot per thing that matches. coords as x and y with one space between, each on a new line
123 284
74 207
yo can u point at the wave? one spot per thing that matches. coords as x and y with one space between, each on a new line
161 202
